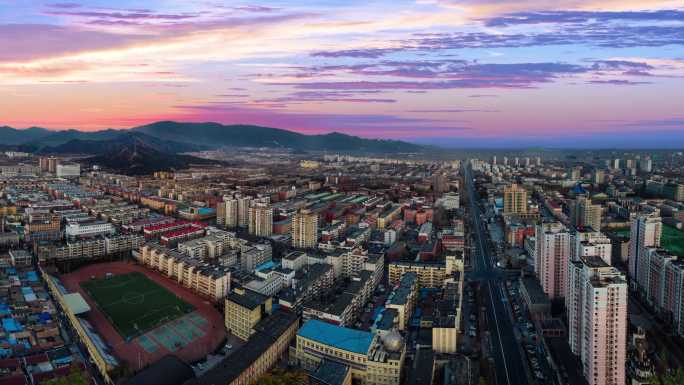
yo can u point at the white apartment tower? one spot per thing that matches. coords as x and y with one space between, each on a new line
243 211
227 212
261 220
305 229
591 244
553 250
597 320
645 233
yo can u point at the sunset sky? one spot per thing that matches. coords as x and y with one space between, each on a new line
452 72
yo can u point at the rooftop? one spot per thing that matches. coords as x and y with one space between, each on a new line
250 299
594 261
351 340
267 331
330 373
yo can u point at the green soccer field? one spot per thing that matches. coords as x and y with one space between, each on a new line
672 239
135 304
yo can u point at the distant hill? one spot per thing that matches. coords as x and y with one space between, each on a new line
203 136
57 138
136 154
122 138
13 136
215 134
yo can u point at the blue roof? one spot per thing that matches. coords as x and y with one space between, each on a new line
579 189
11 325
265 265
351 340
32 276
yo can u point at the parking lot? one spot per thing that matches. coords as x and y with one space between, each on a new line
529 336
469 324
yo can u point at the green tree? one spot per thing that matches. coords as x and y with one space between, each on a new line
283 377
674 378
75 377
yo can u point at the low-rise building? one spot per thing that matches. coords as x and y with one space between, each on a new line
372 359
264 349
430 274
403 298
344 306
308 282
243 310
88 229
207 278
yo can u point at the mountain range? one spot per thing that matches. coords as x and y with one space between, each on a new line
205 136
134 153
159 146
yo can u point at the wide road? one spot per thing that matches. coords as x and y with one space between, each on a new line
505 349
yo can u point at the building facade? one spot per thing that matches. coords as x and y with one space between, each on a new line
552 254
261 220
597 316
645 232
515 200
305 229
583 213
371 359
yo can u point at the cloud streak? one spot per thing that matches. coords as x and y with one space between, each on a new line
525 69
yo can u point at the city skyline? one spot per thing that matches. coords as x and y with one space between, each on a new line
467 73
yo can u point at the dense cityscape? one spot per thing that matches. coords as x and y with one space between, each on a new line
549 267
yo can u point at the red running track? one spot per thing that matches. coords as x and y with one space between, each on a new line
131 352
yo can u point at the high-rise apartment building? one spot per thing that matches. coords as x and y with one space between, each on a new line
590 243
597 320
646 165
650 278
674 191
227 212
645 233
515 200
672 298
553 250
261 220
630 163
660 282
305 229
598 176
583 213
440 183
243 211
616 163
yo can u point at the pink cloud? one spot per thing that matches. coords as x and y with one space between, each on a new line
21 42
